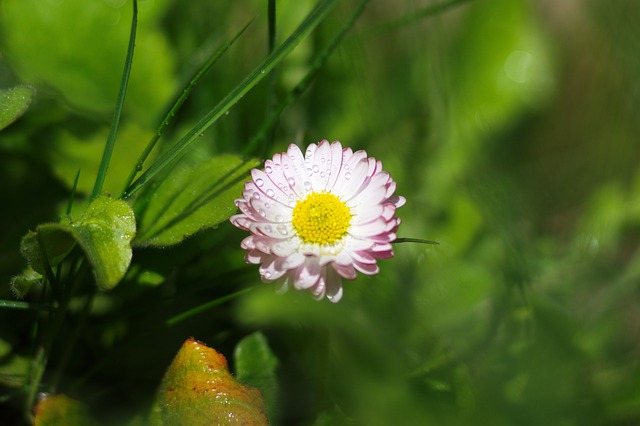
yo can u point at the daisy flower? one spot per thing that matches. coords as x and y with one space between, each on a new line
318 217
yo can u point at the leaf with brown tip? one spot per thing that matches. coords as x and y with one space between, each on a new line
198 389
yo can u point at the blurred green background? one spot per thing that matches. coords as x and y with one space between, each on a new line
511 128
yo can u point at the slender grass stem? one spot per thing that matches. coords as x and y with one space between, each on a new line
415 240
72 196
171 157
205 306
299 89
115 122
17 304
272 100
204 69
413 17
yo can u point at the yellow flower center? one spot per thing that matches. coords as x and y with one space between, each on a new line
321 218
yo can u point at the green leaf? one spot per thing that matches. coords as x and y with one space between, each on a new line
193 199
57 244
104 233
21 284
84 62
60 410
13 103
72 151
198 389
256 366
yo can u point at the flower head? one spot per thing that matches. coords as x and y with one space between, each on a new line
318 217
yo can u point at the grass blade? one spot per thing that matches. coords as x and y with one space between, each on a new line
204 69
177 151
111 139
413 17
269 125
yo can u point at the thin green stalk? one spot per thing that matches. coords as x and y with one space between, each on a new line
113 130
72 196
299 89
271 89
413 17
415 240
17 304
53 326
204 69
206 306
170 158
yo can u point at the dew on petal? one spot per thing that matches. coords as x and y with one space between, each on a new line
283 230
291 187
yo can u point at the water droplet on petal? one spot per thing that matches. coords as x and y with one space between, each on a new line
347 175
268 169
286 166
256 195
267 274
279 218
267 205
259 182
270 192
283 229
262 213
307 186
322 174
316 168
291 181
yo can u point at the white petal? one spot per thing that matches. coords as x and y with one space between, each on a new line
317 169
352 180
295 173
334 286
366 213
265 185
370 229
266 210
335 164
307 274
346 271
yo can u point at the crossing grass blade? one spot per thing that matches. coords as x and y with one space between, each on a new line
170 158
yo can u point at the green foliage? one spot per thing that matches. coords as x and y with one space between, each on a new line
60 410
510 127
13 103
85 62
198 389
256 365
192 199
104 233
